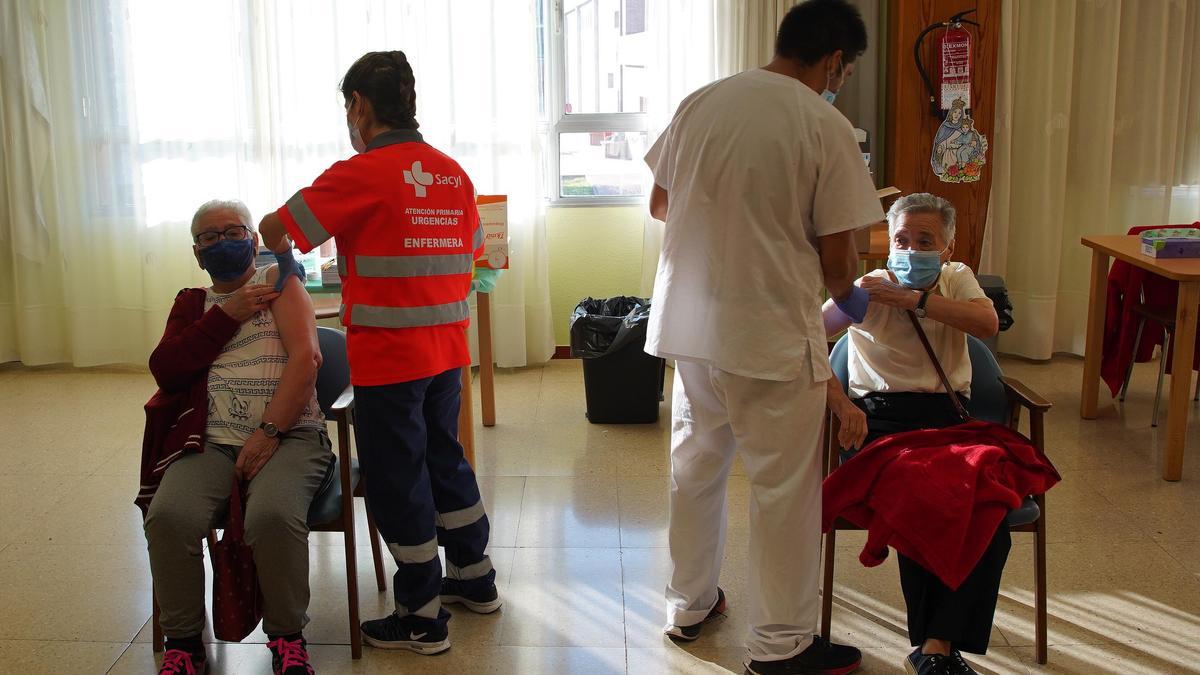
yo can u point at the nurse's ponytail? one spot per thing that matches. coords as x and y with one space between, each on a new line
386 80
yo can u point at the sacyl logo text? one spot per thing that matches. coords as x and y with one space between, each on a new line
420 179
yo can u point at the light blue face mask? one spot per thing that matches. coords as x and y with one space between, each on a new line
915 269
827 94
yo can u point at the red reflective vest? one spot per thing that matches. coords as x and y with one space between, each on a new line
408 234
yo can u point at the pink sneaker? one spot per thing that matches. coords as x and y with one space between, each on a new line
290 656
183 662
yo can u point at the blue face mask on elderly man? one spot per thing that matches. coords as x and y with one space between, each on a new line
915 269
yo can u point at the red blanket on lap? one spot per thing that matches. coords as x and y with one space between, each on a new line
936 495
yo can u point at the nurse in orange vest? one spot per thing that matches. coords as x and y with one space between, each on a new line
408 234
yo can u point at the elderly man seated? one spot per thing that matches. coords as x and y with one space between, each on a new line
236 370
894 387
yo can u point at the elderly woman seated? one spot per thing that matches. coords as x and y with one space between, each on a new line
894 387
236 370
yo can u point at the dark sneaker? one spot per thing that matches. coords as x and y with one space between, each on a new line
289 656
959 665
689 633
475 597
928 664
414 633
183 662
821 658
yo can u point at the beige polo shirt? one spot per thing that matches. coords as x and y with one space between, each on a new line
886 355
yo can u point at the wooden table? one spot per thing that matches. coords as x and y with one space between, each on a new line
1186 271
875 254
327 306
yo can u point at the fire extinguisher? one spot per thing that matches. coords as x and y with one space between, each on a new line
953 67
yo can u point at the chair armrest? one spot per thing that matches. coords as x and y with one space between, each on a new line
344 403
343 412
1024 395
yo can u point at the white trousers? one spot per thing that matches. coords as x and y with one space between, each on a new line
776 427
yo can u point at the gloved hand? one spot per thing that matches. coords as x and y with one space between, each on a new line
854 305
287 267
484 279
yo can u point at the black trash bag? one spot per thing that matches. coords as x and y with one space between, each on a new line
600 327
1003 309
996 291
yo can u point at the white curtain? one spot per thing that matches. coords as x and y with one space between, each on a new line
152 108
748 29
1097 130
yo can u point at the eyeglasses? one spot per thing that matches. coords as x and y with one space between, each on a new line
234 232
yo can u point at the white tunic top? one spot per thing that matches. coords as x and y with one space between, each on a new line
756 167
886 355
242 380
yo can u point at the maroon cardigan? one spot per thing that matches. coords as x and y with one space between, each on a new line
177 414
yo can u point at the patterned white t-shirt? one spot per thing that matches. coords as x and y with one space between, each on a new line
242 380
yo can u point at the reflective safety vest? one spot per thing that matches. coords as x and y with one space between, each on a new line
408 234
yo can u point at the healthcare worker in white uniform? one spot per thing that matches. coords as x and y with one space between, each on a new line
761 183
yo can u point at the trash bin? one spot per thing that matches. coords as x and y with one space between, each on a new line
623 384
993 286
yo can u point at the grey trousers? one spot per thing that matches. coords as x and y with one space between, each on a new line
194 494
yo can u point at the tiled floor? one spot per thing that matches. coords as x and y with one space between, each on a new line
579 515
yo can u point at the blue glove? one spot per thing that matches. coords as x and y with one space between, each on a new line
855 304
287 267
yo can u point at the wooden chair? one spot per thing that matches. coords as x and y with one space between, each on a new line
332 508
994 398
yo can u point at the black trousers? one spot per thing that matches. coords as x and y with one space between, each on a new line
962 617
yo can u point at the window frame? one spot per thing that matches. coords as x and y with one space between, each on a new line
558 122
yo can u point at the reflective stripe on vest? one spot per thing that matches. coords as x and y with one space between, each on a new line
412 265
370 316
307 221
478 241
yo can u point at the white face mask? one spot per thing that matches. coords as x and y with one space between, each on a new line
356 140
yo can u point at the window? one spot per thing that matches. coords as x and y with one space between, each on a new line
221 118
596 97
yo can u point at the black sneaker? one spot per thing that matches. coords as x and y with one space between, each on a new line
928 664
289 655
821 658
689 633
474 596
183 662
414 633
959 665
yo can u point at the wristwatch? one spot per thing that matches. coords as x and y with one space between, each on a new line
269 429
920 310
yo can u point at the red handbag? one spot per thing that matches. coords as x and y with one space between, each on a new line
237 600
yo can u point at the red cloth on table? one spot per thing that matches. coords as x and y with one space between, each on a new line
936 495
1125 281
